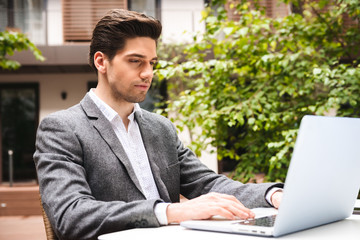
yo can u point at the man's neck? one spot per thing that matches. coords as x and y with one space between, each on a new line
123 108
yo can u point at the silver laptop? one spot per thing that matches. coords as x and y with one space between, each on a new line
321 186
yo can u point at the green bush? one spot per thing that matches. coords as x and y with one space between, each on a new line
249 82
14 41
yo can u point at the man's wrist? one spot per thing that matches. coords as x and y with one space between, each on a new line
160 212
270 193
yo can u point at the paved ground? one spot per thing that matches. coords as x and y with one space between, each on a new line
22 227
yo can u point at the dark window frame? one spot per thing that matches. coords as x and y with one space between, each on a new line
20 85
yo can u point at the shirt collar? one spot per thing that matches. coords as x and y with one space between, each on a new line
108 112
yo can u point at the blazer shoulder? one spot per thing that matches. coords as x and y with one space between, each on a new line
86 107
70 115
156 119
147 114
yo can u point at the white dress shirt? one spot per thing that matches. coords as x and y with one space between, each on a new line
133 145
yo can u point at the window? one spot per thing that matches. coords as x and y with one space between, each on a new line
80 17
19 110
25 16
149 7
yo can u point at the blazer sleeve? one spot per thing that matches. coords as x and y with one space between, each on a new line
198 179
67 198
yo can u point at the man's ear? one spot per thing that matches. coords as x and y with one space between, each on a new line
100 62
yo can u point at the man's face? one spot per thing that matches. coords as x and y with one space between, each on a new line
130 72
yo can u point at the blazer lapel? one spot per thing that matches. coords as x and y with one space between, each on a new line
147 134
104 128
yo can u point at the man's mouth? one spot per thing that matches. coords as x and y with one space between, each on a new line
142 86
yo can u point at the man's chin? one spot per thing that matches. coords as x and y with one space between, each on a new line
136 99
131 98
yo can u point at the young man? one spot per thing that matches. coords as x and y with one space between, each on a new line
106 165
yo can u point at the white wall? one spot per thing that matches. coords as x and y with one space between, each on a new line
181 18
51 86
54 22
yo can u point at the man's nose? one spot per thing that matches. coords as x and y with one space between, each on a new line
147 72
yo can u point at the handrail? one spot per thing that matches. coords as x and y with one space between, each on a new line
11 167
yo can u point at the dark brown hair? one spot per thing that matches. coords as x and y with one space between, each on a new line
118 25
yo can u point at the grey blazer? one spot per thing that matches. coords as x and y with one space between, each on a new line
88 186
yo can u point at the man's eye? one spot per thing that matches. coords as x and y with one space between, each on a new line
134 60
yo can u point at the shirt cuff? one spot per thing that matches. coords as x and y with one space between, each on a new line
270 193
160 212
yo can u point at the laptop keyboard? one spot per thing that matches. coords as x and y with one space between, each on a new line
267 221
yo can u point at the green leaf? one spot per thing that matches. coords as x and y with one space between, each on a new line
11 42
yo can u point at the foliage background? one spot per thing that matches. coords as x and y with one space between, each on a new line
247 83
15 41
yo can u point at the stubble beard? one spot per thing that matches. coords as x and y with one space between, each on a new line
119 96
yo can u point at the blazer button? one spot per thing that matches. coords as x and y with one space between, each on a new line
144 223
136 224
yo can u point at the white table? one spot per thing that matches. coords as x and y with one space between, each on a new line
348 229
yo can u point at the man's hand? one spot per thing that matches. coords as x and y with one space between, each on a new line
206 206
276 198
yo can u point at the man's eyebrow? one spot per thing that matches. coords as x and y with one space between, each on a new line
140 56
